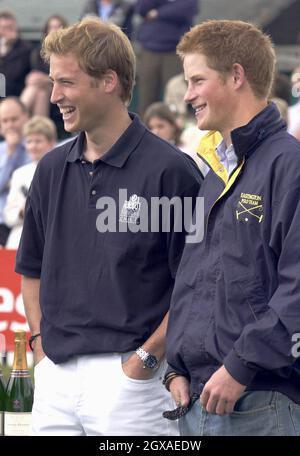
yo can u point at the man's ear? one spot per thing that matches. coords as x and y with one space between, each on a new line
238 75
110 81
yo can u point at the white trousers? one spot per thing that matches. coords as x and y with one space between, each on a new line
91 395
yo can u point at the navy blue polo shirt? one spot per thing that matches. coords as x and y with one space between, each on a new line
102 292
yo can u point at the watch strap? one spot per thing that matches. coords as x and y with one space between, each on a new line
142 353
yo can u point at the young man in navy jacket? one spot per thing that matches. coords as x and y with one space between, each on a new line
234 322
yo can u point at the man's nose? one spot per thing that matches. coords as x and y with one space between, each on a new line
56 94
189 95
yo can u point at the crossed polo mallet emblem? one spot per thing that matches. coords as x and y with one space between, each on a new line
250 211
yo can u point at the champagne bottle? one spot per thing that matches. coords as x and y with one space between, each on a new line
2 401
19 392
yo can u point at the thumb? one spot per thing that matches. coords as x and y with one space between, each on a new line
183 399
180 391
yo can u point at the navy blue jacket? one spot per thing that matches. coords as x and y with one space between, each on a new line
175 17
236 300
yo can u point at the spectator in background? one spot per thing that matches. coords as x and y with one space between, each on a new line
162 122
36 95
40 137
282 87
174 93
165 21
166 124
282 107
281 94
13 115
294 111
14 55
117 12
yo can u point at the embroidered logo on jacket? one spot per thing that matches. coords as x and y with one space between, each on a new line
130 212
250 206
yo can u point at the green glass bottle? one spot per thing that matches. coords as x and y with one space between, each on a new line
19 392
2 401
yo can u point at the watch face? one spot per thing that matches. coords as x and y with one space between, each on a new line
151 362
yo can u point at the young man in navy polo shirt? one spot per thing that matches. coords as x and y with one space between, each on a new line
234 325
97 299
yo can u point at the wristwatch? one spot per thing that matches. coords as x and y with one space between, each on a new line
149 361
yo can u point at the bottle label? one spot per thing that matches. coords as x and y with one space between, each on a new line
17 423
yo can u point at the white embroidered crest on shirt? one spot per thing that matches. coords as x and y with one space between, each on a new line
130 212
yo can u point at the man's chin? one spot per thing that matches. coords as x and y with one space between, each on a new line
203 126
70 128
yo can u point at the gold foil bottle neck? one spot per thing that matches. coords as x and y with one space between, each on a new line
20 336
20 361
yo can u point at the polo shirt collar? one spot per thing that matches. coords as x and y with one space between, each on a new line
118 154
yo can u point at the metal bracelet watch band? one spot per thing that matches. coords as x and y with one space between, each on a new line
149 361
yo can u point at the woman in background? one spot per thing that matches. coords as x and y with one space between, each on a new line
162 122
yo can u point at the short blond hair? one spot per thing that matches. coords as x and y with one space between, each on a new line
41 125
225 43
98 46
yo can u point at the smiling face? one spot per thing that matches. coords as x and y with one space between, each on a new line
81 99
208 93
